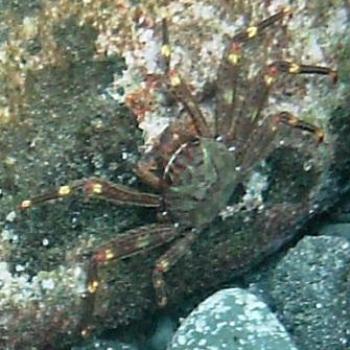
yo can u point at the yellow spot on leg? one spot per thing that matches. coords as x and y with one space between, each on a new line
166 51
175 79
109 255
233 58
269 80
252 31
163 265
64 191
26 204
92 287
97 188
294 68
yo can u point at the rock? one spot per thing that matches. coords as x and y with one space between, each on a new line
61 120
232 319
311 293
99 344
340 229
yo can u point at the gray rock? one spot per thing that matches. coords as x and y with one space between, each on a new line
310 289
339 229
100 344
231 319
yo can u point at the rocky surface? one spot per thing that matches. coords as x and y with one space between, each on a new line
65 67
305 294
231 319
310 290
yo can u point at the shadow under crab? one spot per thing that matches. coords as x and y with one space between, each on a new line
196 169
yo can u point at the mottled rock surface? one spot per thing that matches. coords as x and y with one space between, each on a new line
310 290
231 319
68 70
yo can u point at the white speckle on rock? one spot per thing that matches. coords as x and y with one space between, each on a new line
246 323
48 284
11 216
338 21
19 268
202 342
200 326
181 340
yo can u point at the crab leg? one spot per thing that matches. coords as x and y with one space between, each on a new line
228 71
118 194
179 89
167 261
144 172
127 244
166 48
259 143
290 120
295 68
255 102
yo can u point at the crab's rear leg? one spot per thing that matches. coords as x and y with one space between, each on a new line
118 194
167 261
229 68
260 141
295 122
127 244
179 88
248 118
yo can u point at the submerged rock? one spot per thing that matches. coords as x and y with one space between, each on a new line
310 290
61 119
232 319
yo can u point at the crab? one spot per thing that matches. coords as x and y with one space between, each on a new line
194 168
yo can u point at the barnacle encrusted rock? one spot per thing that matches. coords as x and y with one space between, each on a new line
64 68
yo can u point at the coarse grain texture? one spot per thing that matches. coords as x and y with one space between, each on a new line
61 73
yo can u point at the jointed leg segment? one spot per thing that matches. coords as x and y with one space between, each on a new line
180 90
259 144
232 125
227 76
167 261
118 194
246 120
289 119
130 243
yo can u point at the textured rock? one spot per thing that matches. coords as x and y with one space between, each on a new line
231 319
310 288
98 344
60 120
341 229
